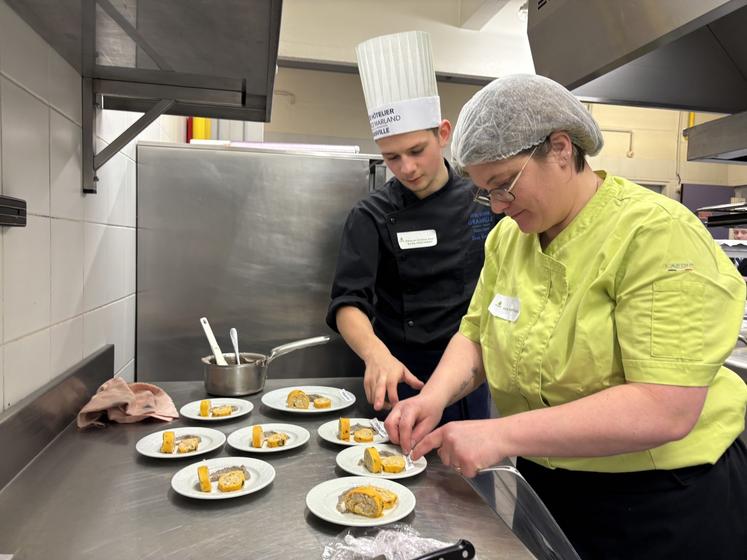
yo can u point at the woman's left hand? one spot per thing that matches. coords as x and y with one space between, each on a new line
467 446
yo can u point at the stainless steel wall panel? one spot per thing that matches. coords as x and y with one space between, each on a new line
248 239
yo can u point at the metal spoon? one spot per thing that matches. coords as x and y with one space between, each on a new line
235 341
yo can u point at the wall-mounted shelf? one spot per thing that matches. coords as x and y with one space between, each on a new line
12 212
200 58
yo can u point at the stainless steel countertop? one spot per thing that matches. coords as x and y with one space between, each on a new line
90 495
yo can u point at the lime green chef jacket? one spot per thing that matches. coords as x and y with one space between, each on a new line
634 290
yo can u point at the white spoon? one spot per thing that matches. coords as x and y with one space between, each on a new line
219 359
235 341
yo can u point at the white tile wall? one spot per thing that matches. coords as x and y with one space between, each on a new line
64 87
67 280
67 199
66 269
107 250
112 324
26 366
25 123
23 54
26 278
66 345
128 372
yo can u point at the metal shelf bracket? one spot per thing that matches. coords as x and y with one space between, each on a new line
92 161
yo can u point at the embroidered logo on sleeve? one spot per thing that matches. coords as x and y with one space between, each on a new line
505 307
680 267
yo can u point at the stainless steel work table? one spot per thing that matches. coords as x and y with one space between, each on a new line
90 495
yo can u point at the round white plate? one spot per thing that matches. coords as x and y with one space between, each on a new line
328 431
278 398
192 410
322 501
349 459
187 483
242 439
150 445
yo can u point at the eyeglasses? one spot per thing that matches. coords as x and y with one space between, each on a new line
501 194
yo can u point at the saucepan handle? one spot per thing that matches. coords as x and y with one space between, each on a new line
297 345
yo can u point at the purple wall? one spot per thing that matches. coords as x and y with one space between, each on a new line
697 196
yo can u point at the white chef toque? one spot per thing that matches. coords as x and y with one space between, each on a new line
399 83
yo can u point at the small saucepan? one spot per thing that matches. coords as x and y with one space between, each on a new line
247 377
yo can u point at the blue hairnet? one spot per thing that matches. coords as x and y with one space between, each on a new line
516 112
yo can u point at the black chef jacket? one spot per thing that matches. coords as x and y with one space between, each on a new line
415 297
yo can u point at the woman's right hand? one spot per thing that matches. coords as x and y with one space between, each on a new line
383 373
412 419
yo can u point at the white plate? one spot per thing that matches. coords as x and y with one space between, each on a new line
328 431
242 439
192 410
278 398
322 501
187 483
349 459
150 445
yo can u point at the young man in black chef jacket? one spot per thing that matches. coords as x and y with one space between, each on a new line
412 251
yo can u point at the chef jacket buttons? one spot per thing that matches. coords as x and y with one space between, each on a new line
392 220
410 323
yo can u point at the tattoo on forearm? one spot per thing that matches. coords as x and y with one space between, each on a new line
469 384
462 389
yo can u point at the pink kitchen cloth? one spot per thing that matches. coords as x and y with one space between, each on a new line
126 403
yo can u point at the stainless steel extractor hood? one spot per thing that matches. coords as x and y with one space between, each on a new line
681 54
721 141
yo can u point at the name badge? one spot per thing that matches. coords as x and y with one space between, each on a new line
417 239
505 307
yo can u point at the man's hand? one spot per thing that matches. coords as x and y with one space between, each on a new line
383 373
411 419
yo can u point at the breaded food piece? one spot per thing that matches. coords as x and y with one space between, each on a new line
322 402
387 496
258 436
372 460
393 464
168 442
225 410
231 481
205 408
187 445
343 429
362 500
204 476
363 435
277 439
298 399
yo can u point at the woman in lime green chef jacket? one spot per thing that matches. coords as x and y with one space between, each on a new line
601 321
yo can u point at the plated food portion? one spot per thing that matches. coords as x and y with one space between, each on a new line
379 460
308 399
358 501
216 409
351 431
268 437
180 442
223 477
